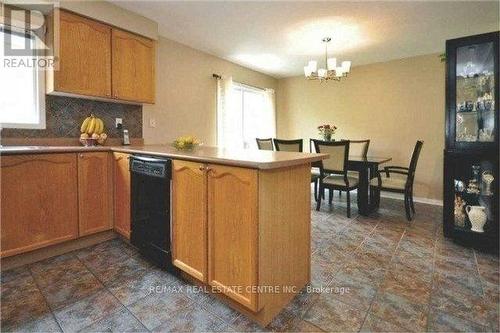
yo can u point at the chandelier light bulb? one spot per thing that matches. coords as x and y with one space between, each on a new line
313 65
339 72
346 66
322 72
307 71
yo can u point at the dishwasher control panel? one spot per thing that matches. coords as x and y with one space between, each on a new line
148 168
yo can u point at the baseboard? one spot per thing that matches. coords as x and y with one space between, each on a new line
398 196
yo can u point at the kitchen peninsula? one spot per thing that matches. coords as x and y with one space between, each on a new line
240 219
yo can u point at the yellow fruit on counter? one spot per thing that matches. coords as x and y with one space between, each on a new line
84 136
92 125
95 136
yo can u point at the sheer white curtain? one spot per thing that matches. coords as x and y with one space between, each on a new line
243 114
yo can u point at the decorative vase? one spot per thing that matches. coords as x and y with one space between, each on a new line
327 137
477 217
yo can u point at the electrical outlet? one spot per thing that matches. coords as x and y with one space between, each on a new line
152 122
118 122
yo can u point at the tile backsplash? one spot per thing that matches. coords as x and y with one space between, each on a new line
64 116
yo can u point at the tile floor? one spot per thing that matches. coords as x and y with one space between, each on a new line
369 274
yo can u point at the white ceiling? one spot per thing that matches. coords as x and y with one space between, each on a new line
279 37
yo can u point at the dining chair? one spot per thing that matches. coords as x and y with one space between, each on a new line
333 170
288 145
265 144
357 148
314 171
401 182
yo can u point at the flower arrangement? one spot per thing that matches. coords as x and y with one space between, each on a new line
326 131
187 142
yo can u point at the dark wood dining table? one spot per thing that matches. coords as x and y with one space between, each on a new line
367 168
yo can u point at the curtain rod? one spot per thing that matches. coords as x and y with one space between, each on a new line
219 77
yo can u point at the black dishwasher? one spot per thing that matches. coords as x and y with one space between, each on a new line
150 208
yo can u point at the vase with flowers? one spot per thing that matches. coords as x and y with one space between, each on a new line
327 131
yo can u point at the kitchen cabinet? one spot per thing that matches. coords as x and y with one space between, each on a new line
257 229
105 62
94 193
39 201
189 218
133 67
122 194
232 232
84 57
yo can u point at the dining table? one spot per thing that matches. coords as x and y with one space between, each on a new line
367 168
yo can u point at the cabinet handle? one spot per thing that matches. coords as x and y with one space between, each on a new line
202 168
81 155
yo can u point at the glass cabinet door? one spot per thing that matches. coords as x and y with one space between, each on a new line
475 93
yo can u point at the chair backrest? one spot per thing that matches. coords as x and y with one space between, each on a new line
339 155
312 149
264 144
414 160
359 147
288 145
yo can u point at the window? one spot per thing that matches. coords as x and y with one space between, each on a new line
22 101
247 113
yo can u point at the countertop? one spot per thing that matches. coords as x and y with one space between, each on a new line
255 159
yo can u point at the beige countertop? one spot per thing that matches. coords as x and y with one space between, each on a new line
255 159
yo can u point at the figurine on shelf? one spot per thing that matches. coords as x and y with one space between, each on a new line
473 187
487 180
486 135
459 186
459 212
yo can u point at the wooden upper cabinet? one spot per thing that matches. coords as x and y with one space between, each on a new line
189 218
133 67
233 233
84 57
39 201
94 193
122 194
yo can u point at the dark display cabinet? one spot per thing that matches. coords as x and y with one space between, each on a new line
471 157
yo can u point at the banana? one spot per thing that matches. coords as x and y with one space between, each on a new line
83 128
91 126
99 126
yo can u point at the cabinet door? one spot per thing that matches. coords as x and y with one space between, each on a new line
232 232
85 57
133 67
94 193
122 194
189 223
39 201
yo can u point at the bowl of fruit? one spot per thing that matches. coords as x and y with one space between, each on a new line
187 142
92 130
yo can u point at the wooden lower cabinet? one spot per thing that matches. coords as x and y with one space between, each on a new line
233 232
39 201
94 192
122 194
189 218
257 224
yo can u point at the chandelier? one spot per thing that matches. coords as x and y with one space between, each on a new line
331 70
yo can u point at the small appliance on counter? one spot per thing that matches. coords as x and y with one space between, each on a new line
150 209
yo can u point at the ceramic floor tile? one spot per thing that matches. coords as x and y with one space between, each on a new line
374 324
219 309
121 321
332 315
400 312
299 325
444 322
78 315
21 306
155 309
66 291
410 287
356 293
193 319
122 270
57 270
244 324
464 282
44 323
14 274
469 307
302 302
